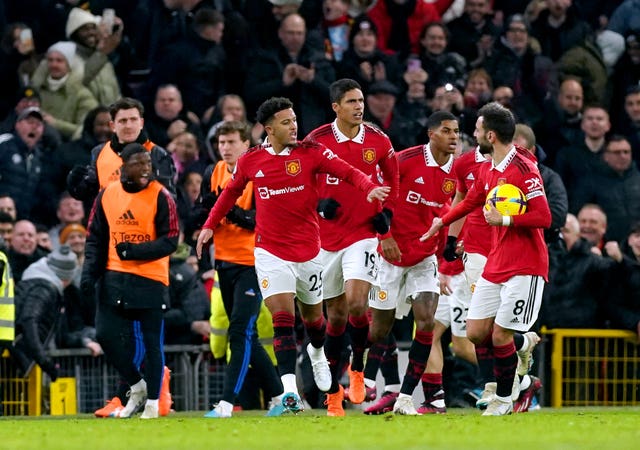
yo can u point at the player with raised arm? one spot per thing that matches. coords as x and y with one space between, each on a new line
348 228
284 175
507 296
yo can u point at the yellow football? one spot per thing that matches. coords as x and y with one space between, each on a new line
508 200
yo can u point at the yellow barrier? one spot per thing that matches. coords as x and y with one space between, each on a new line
594 367
19 396
63 397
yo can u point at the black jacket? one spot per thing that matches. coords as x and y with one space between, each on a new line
623 306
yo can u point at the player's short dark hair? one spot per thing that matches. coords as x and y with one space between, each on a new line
270 107
131 149
338 88
232 126
436 119
125 103
498 119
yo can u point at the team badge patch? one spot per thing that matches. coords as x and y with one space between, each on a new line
293 167
448 186
501 181
264 283
369 155
382 295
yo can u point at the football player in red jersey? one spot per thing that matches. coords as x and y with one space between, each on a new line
284 175
348 228
507 296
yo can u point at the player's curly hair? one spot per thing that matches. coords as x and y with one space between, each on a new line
270 107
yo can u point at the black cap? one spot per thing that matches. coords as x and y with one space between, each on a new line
31 111
383 87
28 92
360 23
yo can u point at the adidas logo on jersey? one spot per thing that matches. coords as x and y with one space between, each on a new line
514 320
127 219
419 180
471 177
259 174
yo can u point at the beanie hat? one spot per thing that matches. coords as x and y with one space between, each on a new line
67 230
66 49
63 262
78 18
360 23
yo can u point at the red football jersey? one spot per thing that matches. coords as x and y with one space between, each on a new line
285 191
425 191
370 148
520 248
475 229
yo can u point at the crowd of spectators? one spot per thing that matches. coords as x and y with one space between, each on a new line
569 71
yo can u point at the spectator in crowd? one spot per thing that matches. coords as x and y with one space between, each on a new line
28 97
623 306
95 131
265 17
169 118
40 296
478 89
335 28
629 125
70 211
442 66
294 70
186 154
6 228
559 28
625 76
24 249
229 107
94 44
127 124
562 118
42 237
473 33
188 191
381 111
400 23
615 186
577 291
363 61
515 63
195 64
187 319
74 235
17 61
593 226
8 205
20 163
8 306
578 161
65 101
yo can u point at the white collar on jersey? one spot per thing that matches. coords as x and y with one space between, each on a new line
430 161
285 152
479 156
340 137
506 161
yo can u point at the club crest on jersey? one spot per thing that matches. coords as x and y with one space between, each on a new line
369 155
293 167
501 181
448 186
264 283
382 295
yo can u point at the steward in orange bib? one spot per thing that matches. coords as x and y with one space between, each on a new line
84 182
133 230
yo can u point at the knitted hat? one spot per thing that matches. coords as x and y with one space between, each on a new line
63 262
72 227
66 49
78 18
31 111
360 23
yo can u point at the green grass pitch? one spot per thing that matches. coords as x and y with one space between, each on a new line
549 429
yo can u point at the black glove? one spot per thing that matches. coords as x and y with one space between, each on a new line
382 221
210 199
88 289
77 174
124 250
245 218
82 182
449 253
51 369
327 208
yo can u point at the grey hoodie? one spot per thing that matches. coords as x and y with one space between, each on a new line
41 270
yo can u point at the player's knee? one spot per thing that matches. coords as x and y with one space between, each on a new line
426 324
